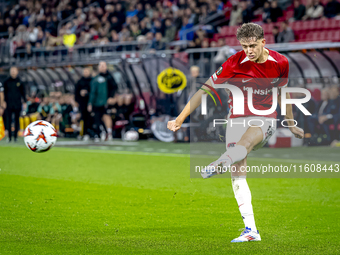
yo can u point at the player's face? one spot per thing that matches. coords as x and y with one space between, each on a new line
253 48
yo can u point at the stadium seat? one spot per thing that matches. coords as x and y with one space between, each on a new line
321 24
305 26
316 94
312 25
297 26
269 39
288 14
335 36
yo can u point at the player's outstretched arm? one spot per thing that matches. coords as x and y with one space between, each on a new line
298 132
194 102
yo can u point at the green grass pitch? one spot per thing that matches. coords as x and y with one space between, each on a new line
91 201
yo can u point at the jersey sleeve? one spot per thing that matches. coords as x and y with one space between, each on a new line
283 82
1 87
223 73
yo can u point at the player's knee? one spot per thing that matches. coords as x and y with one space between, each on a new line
246 142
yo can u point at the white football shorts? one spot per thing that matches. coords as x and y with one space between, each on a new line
236 127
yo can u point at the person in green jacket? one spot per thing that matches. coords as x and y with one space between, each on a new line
97 101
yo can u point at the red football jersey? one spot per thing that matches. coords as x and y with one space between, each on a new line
239 71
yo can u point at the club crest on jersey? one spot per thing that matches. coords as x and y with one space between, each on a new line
275 80
219 71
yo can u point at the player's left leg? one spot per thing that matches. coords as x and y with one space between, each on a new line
251 137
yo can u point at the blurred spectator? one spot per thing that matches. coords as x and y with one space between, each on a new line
158 43
55 109
115 24
247 13
143 27
14 95
314 11
112 89
3 28
184 33
299 10
135 31
334 105
286 34
224 52
32 108
140 12
81 92
157 27
97 100
276 33
69 39
266 13
332 9
170 31
114 37
275 11
236 15
44 109
319 121
66 112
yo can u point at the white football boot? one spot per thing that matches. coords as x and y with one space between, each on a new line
217 167
247 235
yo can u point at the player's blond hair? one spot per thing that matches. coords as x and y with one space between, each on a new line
250 30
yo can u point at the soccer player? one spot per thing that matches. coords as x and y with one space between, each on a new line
243 70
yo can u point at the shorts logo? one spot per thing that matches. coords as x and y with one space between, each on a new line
231 145
219 71
275 80
269 131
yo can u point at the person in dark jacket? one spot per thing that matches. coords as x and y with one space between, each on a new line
14 93
275 11
331 9
82 91
112 88
323 115
299 10
97 101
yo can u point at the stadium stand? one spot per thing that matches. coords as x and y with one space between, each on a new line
44 24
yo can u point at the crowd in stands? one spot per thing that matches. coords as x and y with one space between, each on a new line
44 23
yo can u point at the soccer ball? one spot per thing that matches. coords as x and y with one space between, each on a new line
131 135
40 136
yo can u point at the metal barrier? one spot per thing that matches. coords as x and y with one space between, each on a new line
315 63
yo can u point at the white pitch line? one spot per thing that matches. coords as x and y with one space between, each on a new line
124 152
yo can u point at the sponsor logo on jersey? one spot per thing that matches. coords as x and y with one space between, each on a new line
219 71
259 91
245 80
171 80
18 84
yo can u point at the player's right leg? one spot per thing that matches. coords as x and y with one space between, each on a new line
243 198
